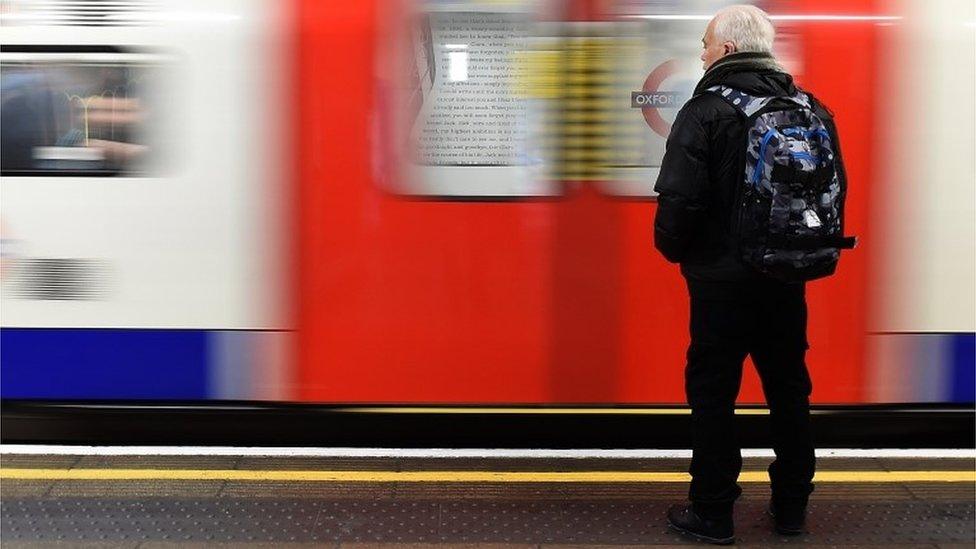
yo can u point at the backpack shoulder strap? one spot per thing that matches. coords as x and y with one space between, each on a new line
750 105
818 106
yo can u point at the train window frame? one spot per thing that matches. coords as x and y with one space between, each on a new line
82 54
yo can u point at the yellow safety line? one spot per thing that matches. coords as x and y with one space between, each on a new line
458 476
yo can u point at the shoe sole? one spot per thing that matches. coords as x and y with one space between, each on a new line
699 537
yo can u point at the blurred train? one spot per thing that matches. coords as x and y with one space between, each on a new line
361 202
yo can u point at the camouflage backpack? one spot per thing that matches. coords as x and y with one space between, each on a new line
788 215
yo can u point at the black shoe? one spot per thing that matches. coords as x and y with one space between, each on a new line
788 521
684 519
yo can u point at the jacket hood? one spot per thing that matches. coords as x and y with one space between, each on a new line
754 73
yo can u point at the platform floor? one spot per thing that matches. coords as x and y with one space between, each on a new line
194 501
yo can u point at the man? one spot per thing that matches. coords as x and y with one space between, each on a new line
735 309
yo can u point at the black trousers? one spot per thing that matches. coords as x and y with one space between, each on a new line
766 320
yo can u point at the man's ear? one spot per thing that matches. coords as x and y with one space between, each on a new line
729 47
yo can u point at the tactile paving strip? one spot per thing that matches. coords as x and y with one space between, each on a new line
69 520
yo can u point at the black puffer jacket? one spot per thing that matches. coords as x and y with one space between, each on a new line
704 163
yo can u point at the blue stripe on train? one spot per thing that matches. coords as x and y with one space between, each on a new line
56 363
962 364
106 363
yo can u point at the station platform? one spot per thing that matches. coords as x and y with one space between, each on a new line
251 500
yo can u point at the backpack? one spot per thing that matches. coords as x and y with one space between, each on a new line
788 214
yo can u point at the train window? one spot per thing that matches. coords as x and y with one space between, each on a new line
658 69
85 113
455 122
491 99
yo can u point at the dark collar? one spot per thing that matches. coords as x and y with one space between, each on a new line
735 62
750 58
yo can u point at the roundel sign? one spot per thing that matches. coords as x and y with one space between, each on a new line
663 93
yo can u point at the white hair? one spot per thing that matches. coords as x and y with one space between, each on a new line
748 27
